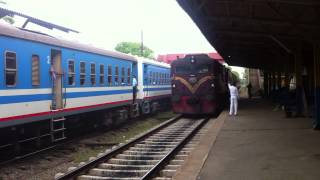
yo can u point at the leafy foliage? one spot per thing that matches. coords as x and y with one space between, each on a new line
134 48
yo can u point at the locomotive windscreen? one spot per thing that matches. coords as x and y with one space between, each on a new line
183 69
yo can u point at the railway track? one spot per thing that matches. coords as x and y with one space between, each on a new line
143 157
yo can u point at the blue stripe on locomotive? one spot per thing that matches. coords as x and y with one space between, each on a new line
24 50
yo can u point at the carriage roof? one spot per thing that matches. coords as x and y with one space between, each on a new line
11 31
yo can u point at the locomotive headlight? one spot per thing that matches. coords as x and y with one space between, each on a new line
212 85
193 80
173 85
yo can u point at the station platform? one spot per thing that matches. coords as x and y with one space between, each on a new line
258 144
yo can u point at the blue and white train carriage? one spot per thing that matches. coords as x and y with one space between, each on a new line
45 78
154 85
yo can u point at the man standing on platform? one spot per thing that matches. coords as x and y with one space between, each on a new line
234 95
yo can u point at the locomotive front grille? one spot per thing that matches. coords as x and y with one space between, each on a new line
193 100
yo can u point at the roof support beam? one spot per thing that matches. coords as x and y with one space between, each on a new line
293 2
280 44
256 34
203 2
263 21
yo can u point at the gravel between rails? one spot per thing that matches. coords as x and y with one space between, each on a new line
45 165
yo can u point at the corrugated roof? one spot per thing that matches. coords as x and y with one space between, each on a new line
7 12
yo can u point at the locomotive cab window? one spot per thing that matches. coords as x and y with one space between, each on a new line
109 75
82 73
101 77
183 70
11 69
71 73
35 70
93 74
203 69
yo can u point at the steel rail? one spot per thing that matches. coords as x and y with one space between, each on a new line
91 164
165 160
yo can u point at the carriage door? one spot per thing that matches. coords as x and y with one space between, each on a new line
56 76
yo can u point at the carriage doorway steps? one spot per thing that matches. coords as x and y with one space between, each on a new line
58 129
135 110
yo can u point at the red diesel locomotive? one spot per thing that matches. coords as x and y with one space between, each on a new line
199 85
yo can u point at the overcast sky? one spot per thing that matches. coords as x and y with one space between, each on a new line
104 23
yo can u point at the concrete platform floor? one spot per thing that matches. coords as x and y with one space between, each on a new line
261 144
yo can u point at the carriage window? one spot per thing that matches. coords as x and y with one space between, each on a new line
71 73
150 77
183 69
109 75
167 80
122 75
129 76
93 74
11 69
35 70
82 73
203 69
154 78
116 75
101 77
162 78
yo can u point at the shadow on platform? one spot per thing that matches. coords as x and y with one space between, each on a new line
261 144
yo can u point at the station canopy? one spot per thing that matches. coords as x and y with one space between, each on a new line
257 33
8 12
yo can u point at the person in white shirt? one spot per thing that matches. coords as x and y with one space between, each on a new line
134 88
234 95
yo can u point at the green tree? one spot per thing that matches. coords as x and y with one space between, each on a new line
134 49
8 19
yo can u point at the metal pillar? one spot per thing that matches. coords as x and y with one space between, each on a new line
279 80
299 86
287 79
265 84
273 81
269 83
316 61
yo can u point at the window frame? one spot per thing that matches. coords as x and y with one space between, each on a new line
116 75
72 73
129 75
157 78
150 77
123 74
101 75
82 73
109 75
154 78
93 74
39 71
5 69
